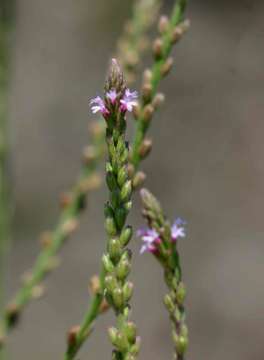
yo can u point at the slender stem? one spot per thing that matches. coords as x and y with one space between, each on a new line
73 205
156 71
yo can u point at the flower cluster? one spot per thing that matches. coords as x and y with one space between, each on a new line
125 102
152 239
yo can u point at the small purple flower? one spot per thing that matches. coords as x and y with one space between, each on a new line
177 229
98 105
150 240
129 100
112 95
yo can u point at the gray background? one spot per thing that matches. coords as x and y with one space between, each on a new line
206 166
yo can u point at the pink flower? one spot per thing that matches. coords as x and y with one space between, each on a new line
177 229
112 95
129 100
98 105
150 240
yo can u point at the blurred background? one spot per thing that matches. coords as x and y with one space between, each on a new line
206 166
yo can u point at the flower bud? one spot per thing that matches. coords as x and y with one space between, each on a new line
169 303
163 25
157 48
123 269
158 100
181 344
166 68
126 191
107 263
148 112
180 294
114 248
147 76
120 217
89 154
136 347
122 176
118 298
72 336
139 179
111 181
115 79
130 170
130 330
112 332
179 31
128 291
125 236
145 148
147 92
110 226
128 206
110 283
121 342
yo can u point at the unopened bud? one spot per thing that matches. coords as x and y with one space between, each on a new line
165 69
180 294
121 342
110 283
69 226
94 284
179 31
118 298
46 239
65 200
169 303
128 291
89 154
72 336
163 24
157 48
37 292
112 332
114 248
110 226
181 344
148 113
147 76
145 148
158 100
125 236
126 191
139 179
136 347
147 92
130 170
130 331
115 79
12 314
123 269
107 263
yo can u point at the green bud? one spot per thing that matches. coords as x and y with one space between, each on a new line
121 342
107 263
118 298
108 167
136 347
128 291
130 330
115 198
124 156
181 294
120 217
126 191
120 147
114 248
130 357
111 181
110 226
169 303
177 314
181 344
128 206
126 235
110 283
108 211
123 269
122 176
112 332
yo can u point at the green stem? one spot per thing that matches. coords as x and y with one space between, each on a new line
142 126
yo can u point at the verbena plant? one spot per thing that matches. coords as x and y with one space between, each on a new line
112 288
